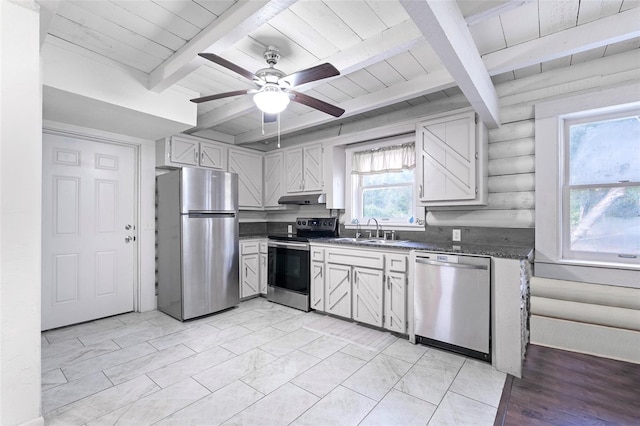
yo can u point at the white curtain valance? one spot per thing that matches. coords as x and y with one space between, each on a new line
387 159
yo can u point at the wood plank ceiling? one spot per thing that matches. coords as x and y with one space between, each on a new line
385 59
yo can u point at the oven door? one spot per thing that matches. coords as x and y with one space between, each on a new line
289 266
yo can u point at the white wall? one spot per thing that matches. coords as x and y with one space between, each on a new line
20 209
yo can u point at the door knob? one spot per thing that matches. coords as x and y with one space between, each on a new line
127 227
129 238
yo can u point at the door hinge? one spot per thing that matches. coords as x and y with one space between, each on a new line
477 156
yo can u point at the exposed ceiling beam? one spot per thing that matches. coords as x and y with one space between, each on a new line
48 10
445 29
429 83
238 21
378 48
495 64
612 29
505 7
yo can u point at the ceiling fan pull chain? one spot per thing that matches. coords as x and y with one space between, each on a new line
262 122
278 130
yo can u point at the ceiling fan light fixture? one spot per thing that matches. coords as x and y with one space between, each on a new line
271 99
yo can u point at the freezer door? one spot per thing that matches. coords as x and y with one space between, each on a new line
209 263
208 190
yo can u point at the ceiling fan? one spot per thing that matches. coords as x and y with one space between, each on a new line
274 88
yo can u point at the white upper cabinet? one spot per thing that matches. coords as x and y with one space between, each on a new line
312 168
273 179
179 151
451 163
303 169
248 166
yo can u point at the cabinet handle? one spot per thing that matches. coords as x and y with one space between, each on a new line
388 283
195 156
420 191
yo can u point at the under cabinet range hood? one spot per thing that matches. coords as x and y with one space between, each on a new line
303 199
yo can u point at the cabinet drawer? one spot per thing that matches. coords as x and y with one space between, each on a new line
263 247
364 258
396 262
317 254
249 247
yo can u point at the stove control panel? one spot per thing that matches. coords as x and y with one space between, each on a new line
311 224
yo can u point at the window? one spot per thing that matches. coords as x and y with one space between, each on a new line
382 183
587 182
601 190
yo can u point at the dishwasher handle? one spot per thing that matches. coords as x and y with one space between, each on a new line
453 265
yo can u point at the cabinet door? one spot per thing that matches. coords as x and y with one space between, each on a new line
317 286
293 170
312 168
273 177
338 290
212 156
184 151
446 158
249 275
368 304
263 273
248 166
395 302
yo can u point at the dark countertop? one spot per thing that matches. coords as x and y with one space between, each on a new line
506 252
252 237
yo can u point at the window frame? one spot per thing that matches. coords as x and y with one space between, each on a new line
549 165
351 187
567 252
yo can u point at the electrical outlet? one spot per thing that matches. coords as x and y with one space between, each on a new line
456 235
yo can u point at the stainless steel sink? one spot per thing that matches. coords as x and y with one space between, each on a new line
383 242
349 240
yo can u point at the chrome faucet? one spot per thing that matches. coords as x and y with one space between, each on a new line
377 226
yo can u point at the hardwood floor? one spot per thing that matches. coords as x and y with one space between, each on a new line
567 388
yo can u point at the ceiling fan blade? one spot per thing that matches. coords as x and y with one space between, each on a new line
270 118
318 72
220 96
316 103
229 65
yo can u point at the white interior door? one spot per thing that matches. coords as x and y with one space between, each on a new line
88 230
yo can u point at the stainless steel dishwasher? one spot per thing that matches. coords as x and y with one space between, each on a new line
452 303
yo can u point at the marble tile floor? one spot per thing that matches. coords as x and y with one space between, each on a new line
257 364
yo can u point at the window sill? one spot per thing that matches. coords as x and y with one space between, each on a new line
616 274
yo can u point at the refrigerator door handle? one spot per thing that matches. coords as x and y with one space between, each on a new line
197 214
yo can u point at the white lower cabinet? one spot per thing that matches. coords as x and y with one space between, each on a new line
264 269
317 286
249 268
368 295
369 286
338 290
395 292
317 279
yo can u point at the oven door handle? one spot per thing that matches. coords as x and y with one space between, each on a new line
292 246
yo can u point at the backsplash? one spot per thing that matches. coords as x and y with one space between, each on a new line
519 237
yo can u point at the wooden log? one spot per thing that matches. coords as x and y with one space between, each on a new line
512 183
517 112
517 130
512 200
609 316
514 148
489 218
512 166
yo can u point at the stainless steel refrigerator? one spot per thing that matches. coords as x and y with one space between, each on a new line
197 242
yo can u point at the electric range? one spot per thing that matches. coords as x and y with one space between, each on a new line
288 281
